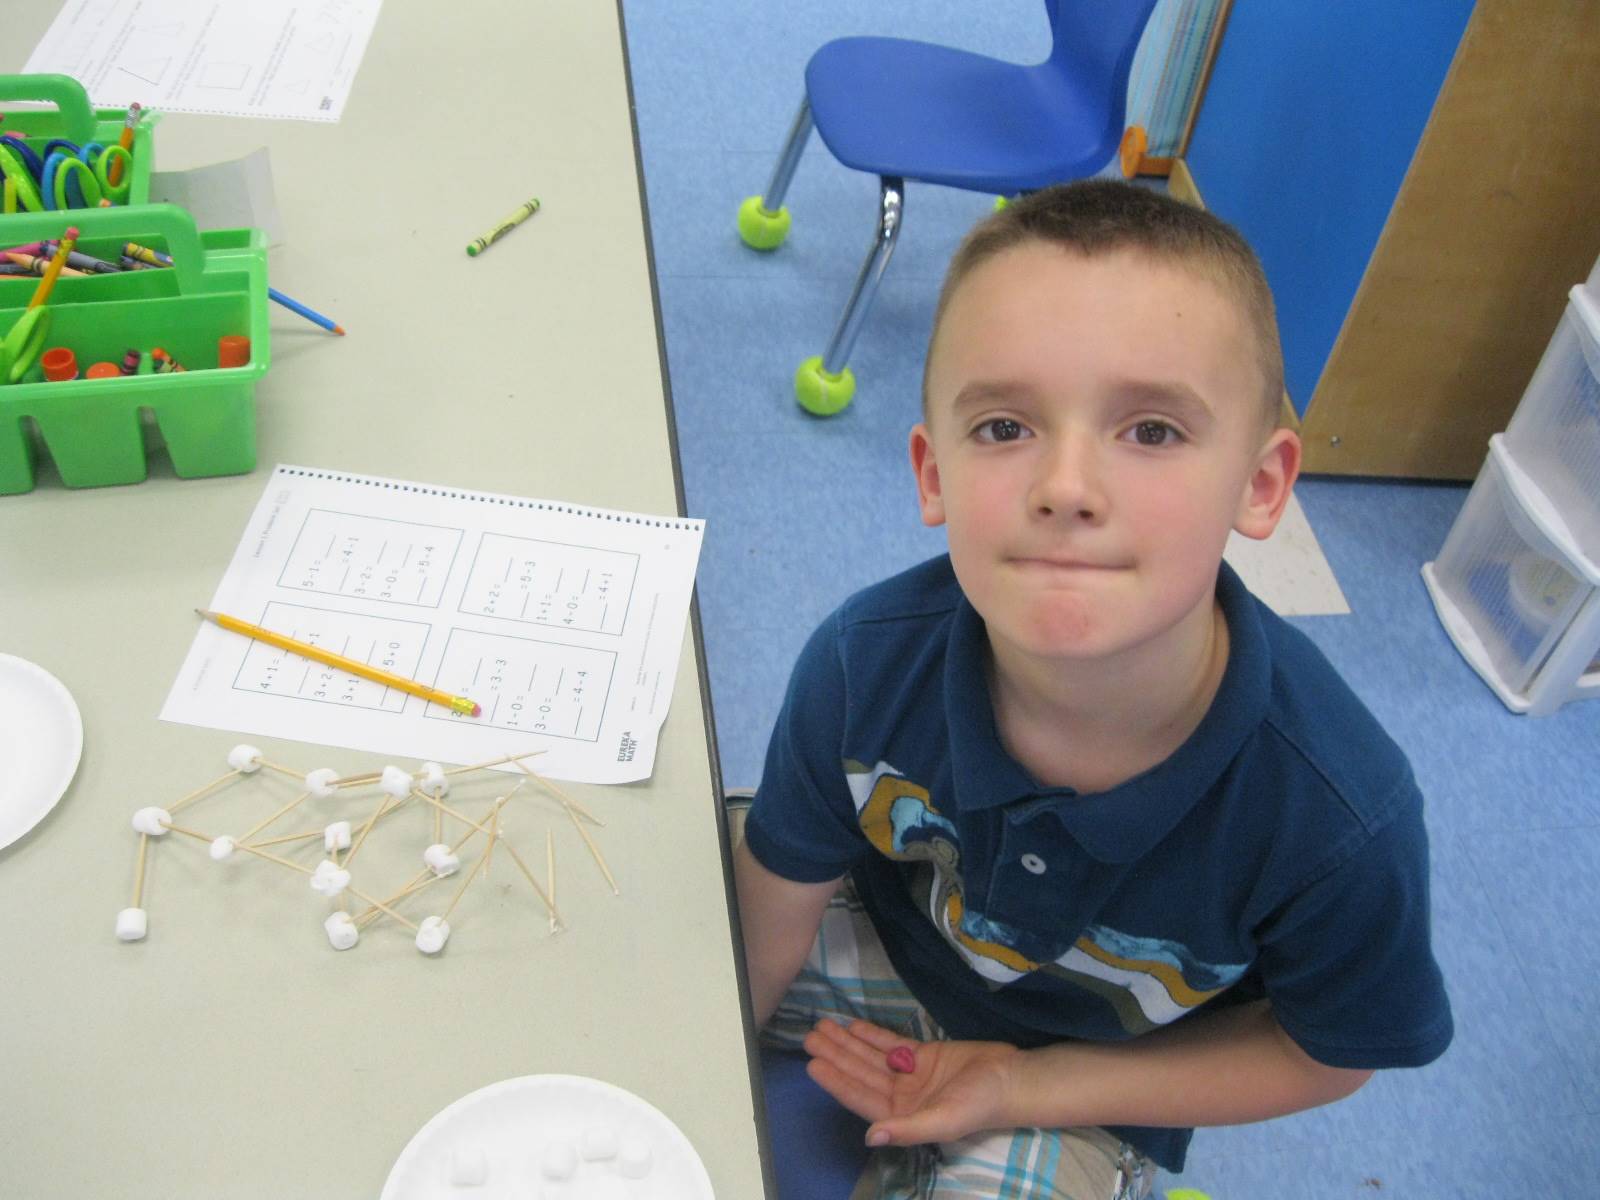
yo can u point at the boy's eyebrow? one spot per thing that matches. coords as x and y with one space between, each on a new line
1172 394
983 391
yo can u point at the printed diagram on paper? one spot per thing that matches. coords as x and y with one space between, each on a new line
565 624
289 59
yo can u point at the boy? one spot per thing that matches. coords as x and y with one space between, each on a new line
1068 814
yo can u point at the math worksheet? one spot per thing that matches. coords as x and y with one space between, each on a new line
286 59
563 623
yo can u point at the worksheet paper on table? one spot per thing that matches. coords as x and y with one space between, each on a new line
289 59
564 623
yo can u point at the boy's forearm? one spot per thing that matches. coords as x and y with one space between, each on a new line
1224 1068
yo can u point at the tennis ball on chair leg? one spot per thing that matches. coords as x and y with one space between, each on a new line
822 394
760 229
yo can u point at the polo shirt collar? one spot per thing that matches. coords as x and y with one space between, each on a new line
1126 822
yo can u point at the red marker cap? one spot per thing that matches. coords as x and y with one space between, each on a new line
233 350
59 364
103 370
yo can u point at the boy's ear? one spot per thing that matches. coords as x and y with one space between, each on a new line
1266 493
930 498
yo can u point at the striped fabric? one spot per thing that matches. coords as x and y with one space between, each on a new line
848 976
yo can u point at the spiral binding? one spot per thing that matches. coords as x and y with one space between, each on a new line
420 489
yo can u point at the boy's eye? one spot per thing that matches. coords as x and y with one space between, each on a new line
1001 429
1155 433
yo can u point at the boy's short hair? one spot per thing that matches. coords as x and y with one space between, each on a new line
1099 216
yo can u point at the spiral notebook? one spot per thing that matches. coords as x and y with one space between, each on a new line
564 623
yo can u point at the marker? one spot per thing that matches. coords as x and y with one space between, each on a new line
506 225
458 704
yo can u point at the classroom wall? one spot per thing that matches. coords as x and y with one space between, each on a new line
1307 128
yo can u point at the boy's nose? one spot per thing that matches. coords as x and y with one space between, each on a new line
1069 482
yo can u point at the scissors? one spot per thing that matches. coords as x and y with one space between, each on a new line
65 176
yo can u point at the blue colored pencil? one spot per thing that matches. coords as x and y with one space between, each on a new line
309 314
155 256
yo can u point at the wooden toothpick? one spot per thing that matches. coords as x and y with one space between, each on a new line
483 860
562 796
203 791
594 850
289 771
257 828
386 805
550 872
289 837
494 762
539 891
138 874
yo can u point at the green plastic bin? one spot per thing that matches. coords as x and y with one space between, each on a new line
75 119
101 431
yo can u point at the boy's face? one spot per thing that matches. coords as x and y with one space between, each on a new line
1093 433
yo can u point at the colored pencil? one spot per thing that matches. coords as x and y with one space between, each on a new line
309 314
459 704
42 292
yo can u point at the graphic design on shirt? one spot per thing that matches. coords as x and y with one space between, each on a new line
1149 982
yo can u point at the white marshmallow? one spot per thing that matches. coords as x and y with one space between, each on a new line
246 759
434 781
336 836
342 931
132 924
329 878
440 860
433 934
152 820
396 782
320 783
222 848
634 1158
559 1161
469 1166
598 1142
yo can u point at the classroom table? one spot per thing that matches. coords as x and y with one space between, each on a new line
233 1052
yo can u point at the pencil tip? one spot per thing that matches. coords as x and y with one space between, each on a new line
339 329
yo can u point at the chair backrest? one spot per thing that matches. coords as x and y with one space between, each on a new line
1093 43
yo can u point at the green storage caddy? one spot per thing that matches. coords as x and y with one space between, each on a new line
101 431
76 120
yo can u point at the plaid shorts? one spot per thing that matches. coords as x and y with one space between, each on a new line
848 976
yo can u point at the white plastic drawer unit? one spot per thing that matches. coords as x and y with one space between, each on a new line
1554 436
1515 595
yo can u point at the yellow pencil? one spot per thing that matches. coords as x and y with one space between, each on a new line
460 704
42 292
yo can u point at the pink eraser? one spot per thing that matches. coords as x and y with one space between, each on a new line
903 1059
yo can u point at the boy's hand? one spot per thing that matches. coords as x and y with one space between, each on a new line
957 1088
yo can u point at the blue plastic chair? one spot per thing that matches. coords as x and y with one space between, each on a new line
910 110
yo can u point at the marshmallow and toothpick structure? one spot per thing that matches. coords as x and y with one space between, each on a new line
399 789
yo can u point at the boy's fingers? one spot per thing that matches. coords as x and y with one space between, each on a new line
850 1043
931 1124
860 1098
849 1057
880 1039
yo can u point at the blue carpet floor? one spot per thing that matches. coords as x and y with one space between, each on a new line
800 512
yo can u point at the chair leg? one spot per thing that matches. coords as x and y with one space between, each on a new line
763 220
793 147
891 201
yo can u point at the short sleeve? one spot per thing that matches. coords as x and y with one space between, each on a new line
802 824
1348 962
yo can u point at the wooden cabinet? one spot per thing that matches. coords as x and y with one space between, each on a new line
1423 184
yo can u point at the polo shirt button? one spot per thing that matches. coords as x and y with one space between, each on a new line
1033 864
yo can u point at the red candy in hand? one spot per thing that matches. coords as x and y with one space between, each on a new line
903 1059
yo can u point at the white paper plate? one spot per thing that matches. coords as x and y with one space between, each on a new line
41 737
508 1127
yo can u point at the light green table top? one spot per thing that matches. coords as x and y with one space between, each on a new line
233 1053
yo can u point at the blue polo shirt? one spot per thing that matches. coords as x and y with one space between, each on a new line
1279 852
